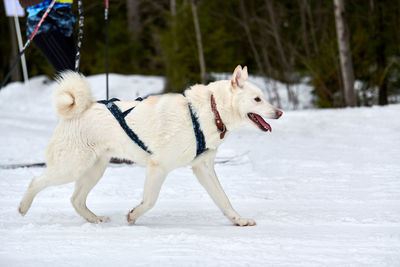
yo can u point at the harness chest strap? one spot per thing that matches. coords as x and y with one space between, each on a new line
200 140
120 117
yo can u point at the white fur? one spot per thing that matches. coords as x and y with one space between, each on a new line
88 135
73 96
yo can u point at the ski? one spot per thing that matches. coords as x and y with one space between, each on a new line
22 165
42 164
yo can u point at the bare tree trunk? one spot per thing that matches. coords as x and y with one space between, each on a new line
133 16
285 67
380 49
275 30
16 74
312 27
303 19
244 23
172 6
199 42
250 37
345 53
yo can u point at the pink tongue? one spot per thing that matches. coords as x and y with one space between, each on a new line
263 122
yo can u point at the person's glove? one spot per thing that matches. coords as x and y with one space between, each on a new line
28 3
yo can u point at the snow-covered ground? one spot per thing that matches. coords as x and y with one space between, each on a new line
324 188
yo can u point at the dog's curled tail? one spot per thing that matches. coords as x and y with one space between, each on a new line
73 95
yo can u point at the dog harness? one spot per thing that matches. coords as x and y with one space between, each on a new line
120 117
200 140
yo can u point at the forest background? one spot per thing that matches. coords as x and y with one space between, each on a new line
291 41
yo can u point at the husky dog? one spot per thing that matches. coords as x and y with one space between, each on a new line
161 132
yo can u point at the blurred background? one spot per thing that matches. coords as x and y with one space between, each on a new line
287 41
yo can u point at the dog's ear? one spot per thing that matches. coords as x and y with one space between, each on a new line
245 74
238 77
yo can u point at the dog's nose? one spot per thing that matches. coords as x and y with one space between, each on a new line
278 113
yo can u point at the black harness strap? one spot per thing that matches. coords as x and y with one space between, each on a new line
120 117
200 140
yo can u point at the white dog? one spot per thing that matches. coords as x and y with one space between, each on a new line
162 132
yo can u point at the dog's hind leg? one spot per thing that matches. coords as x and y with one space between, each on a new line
50 177
60 170
205 173
155 176
83 185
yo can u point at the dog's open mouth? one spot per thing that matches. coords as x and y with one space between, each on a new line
260 122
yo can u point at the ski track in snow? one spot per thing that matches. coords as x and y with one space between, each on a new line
323 187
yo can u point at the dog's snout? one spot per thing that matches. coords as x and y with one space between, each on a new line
278 113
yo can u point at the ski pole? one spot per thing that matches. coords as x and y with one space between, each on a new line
80 35
106 20
27 43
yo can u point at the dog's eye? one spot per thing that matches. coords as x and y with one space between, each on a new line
257 99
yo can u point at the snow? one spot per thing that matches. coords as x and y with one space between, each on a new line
323 188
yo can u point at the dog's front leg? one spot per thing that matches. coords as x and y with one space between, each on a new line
155 176
205 173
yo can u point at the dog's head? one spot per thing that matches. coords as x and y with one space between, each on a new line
250 101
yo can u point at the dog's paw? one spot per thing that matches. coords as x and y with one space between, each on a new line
23 209
130 218
98 219
243 222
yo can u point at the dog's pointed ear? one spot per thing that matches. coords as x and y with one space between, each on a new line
245 74
237 77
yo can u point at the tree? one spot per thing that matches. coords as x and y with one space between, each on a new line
199 42
344 53
133 17
380 48
16 74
